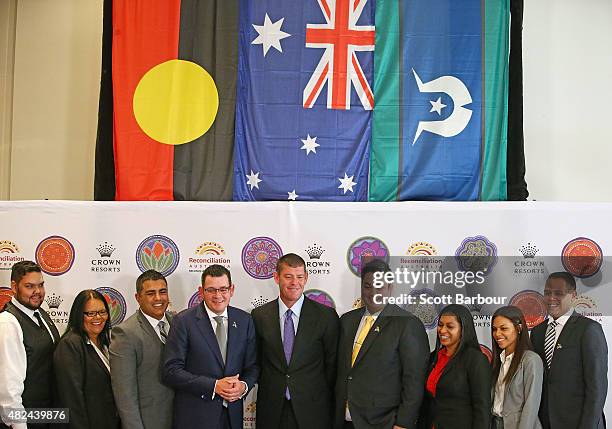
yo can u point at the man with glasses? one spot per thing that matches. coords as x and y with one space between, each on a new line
575 355
136 352
27 339
210 357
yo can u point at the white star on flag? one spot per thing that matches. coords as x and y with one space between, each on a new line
347 183
270 35
437 106
292 195
310 144
253 180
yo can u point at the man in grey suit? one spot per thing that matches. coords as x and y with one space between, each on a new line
575 355
136 352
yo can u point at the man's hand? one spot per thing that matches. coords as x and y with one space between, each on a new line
398 427
230 388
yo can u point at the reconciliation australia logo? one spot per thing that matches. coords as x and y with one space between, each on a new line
316 264
105 263
529 264
9 254
59 317
207 254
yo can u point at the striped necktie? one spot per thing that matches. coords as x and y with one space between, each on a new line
549 342
162 331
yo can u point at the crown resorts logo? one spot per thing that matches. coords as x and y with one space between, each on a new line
9 254
158 253
529 264
259 301
105 263
53 301
315 265
207 254
59 317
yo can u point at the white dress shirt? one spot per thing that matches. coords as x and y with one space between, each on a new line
102 354
155 323
13 358
561 321
295 315
213 322
500 386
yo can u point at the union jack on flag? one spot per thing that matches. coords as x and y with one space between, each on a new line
339 66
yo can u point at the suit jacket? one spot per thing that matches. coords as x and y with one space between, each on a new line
522 394
395 350
193 363
136 352
311 373
463 393
84 385
576 384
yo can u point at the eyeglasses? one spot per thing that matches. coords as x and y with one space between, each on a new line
212 290
92 314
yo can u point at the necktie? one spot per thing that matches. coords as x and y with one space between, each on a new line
162 331
221 335
41 324
549 342
288 339
369 321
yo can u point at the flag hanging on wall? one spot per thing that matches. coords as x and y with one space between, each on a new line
327 100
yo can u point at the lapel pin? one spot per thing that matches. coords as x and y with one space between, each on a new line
234 324
559 346
377 329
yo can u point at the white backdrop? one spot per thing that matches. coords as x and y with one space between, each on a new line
322 233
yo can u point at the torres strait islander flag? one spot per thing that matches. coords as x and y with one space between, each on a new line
325 100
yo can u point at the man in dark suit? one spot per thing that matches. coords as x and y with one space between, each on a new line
575 355
382 360
136 352
27 340
210 358
297 340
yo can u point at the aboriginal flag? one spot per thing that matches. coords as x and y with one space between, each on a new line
167 101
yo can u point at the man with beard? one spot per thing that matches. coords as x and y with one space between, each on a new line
27 339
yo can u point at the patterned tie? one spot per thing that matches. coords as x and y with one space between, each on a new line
549 342
288 339
369 321
221 335
162 331
42 325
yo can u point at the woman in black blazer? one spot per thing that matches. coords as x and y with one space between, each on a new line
458 389
81 365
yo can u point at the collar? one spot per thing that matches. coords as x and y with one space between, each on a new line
503 356
366 313
296 308
23 308
153 321
562 320
212 314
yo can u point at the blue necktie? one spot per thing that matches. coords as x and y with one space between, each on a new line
288 338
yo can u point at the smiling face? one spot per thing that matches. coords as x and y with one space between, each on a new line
30 291
505 334
94 318
216 292
153 298
373 296
291 282
558 297
449 333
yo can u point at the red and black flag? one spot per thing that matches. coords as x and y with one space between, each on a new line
167 100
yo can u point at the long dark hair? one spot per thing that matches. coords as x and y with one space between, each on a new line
75 321
468 332
523 343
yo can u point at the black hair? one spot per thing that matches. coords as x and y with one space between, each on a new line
292 260
149 275
569 279
75 320
375 266
21 268
216 271
523 343
468 332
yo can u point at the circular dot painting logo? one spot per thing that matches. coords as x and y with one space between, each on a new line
6 293
158 253
532 305
55 255
364 248
582 257
476 254
116 304
321 297
195 300
259 257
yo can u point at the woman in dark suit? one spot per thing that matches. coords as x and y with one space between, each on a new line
81 365
517 372
458 388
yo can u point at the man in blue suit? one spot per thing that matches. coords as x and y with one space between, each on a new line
210 358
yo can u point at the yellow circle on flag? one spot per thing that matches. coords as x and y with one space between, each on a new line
176 102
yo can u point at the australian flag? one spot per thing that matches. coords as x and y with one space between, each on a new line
304 100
